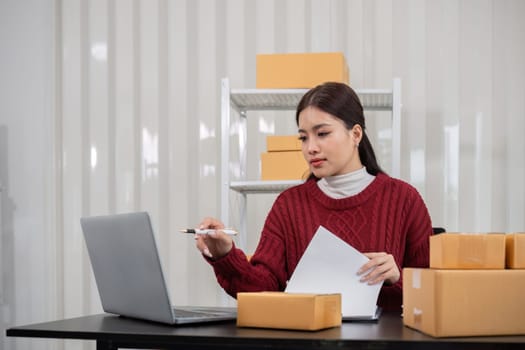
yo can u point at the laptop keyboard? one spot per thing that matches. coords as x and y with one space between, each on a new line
188 313
199 313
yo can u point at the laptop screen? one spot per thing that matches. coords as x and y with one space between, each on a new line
126 264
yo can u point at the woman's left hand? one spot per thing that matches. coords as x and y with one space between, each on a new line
381 267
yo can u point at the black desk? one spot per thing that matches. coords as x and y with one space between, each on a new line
112 332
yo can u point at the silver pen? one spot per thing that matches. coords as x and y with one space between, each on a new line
208 231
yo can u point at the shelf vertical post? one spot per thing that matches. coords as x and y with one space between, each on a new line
396 128
243 148
225 151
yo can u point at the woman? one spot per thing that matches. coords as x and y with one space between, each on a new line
347 193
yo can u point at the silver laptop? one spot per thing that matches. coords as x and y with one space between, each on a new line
128 272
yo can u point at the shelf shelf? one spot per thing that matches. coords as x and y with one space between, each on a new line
250 187
268 99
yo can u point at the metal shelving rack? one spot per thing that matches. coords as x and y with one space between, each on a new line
244 100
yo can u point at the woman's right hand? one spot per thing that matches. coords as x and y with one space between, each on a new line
214 245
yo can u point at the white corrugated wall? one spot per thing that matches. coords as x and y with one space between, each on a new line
134 124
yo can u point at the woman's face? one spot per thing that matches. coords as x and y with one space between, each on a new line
328 146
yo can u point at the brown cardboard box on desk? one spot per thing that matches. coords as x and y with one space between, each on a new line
300 70
284 159
467 251
452 303
515 250
466 291
281 310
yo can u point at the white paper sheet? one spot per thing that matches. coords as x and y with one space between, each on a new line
330 265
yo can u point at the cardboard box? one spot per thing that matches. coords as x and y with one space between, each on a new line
467 251
279 143
289 310
515 250
450 303
300 70
283 166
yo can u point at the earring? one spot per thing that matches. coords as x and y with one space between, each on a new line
357 145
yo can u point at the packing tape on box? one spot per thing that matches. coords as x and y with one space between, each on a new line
416 279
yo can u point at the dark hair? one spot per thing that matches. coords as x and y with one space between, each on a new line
341 101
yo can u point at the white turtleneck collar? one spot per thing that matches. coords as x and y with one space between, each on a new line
345 185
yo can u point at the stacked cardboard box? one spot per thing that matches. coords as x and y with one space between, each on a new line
284 159
467 251
515 251
467 291
300 70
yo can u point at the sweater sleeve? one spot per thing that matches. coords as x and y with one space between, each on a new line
265 271
418 228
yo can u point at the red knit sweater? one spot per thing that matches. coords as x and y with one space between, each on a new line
387 216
